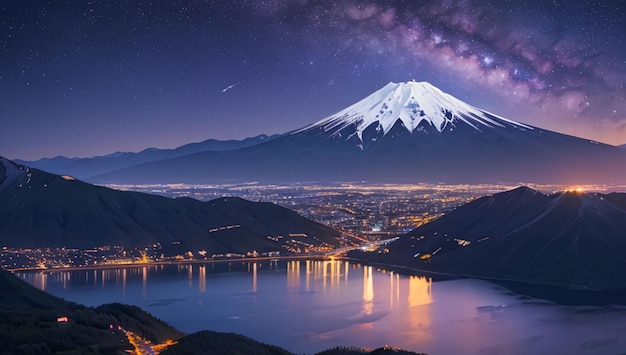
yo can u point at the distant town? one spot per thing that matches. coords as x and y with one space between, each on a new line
362 209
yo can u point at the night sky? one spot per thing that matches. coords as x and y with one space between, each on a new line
84 78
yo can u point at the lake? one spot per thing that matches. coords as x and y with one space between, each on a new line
307 306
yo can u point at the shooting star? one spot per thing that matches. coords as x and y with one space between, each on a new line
232 86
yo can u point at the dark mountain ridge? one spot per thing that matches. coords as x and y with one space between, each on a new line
571 239
45 210
85 167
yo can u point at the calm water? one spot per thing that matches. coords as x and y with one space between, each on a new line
308 306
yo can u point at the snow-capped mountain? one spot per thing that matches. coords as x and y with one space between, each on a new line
416 106
38 209
409 132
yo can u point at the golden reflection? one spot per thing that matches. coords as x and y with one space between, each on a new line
397 288
318 270
308 275
419 317
333 273
368 291
339 273
144 279
202 279
293 274
392 289
420 291
124 282
347 267
190 275
330 270
254 278
41 281
324 273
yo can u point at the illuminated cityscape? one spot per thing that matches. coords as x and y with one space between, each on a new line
362 209
365 212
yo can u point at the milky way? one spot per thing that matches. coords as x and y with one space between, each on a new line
100 76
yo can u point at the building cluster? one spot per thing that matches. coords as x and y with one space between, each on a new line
362 209
50 258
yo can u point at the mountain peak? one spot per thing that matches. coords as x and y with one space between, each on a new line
416 105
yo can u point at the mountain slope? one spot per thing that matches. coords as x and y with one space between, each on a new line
85 167
210 342
403 132
38 209
28 319
568 239
15 293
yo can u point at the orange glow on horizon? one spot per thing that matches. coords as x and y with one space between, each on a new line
576 189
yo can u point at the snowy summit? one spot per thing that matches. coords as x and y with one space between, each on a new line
417 105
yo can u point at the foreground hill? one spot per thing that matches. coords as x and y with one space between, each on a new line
571 240
29 324
405 132
209 342
38 209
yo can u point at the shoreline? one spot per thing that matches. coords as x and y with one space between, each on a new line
557 294
168 262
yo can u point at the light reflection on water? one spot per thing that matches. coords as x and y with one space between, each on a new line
308 306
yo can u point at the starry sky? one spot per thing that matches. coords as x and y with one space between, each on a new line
85 78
